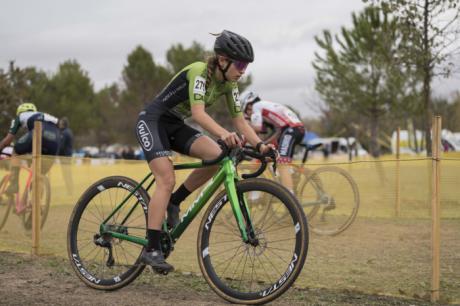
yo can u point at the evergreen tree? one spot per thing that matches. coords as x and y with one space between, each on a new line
70 93
178 57
358 76
143 80
432 27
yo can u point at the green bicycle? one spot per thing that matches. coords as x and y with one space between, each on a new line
253 262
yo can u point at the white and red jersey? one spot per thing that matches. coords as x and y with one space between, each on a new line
275 114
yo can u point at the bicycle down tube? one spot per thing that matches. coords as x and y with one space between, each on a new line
225 175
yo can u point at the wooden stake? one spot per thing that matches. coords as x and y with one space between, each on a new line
435 208
36 170
398 175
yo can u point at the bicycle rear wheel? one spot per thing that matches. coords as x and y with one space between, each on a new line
5 201
330 199
102 261
45 195
260 272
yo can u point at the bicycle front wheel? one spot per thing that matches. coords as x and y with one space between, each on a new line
330 199
102 261
257 272
5 201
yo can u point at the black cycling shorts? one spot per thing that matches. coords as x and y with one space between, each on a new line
289 138
159 135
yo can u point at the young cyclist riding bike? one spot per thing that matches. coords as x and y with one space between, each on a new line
287 129
160 128
26 115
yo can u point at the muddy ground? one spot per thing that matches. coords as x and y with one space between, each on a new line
47 280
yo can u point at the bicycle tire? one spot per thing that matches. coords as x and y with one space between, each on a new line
321 184
91 209
5 202
268 284
46 193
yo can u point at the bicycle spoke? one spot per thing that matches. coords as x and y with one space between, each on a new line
90 241
218 263
227 241
278 228
279 249
226 250
126 252
223 273
93 222
236 269
264 269
244 267
271 263
280 240
284 260
132 220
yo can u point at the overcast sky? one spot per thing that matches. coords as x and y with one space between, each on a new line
100 34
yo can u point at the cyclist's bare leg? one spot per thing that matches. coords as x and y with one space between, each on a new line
285 177
162 169
203 148
15 164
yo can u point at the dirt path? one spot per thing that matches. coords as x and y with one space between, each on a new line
26 280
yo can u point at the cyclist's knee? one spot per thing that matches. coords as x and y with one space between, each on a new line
166 182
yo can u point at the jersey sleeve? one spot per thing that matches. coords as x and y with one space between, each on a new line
15 125
233 100
196 77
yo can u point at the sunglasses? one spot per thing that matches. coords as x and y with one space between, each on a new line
240 65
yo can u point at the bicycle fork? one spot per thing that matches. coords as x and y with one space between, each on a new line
241 211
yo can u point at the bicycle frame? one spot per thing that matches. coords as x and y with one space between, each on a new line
19 197
225 175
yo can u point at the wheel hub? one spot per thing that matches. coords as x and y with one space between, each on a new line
259 245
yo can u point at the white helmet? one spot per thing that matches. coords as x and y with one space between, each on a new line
249 98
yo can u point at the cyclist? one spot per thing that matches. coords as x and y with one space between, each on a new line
287 130
26 115
160 128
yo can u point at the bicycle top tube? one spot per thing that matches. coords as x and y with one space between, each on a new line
236 154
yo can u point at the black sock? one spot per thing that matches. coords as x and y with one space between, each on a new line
179 195
153 237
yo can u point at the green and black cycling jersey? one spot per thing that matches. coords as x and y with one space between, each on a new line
160 127
188 87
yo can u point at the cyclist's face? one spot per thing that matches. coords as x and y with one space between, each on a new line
235 70
248 110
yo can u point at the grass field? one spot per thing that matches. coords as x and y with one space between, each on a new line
378 254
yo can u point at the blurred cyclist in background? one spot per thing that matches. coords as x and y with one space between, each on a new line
285 129
26 115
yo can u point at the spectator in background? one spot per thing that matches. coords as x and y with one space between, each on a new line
66 150
128 153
